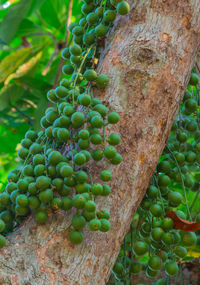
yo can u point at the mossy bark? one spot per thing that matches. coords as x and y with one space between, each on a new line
148 55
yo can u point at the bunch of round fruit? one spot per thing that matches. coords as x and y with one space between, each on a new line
153 245
56 171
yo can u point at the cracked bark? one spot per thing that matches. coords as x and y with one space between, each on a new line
148 55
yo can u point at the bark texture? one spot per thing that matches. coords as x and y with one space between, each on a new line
148 56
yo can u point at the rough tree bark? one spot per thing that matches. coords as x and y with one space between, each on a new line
148 56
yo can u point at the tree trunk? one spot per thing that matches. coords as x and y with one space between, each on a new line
148 56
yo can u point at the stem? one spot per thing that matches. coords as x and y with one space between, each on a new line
194 200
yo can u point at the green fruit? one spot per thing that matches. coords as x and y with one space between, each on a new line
68 110
181 136
101 30
55 157
97 189
51 96
41 217
81 176
32 135
10 187
26 143
110 152
106 175
135 267
175 198
35 148
97 122
113 118
103 214
66 203
84 99
66 171
194 79
167 224
34 202
61 92
23 153
88 38
109 16
79 201
90 206
6 216
189 239
106 190
43 182
171 268
156 210
154 262
167 238
21 211
140 247
157 233
123 8
117 159
46 196
78 119
114 139
152 192
96 139
118 268
180 251
4 199
22 185
191 105
78 31
163 180
79 159
83 144
2 241
75 50
97 154
75 237
64 82
65 53
92 18
150 272
102 80
2 225
38 159
67 69
39 170
22 200
105 225
94 225
78 222
101 109
56 203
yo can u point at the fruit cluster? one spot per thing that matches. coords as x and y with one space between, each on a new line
56 161
153 245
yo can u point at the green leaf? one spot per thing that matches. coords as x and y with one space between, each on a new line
26 27
11 62
35 6
9 95
25 69
49 14
12 20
